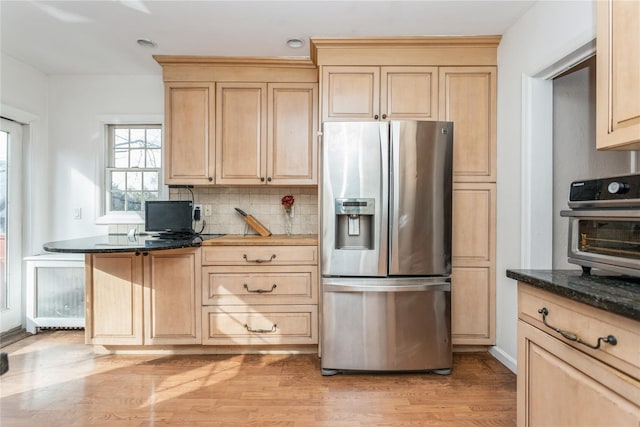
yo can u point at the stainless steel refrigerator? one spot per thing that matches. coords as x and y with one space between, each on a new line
386 246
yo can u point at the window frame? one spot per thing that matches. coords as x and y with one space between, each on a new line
11 315
106 217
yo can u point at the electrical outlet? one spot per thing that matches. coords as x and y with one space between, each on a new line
197 212
207 210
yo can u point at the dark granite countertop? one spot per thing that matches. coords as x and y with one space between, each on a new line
122 243
614 293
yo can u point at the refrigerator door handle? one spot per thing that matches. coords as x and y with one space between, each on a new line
394 205
425 287
383 265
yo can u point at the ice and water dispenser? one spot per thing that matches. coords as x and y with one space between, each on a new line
354 223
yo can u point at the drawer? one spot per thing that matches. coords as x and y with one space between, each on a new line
561 386
260 255
239 285
256 325
587 323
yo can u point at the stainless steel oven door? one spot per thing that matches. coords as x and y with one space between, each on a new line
605 239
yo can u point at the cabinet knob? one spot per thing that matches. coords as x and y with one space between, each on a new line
375 117
210 179
269 179
262 179
384 116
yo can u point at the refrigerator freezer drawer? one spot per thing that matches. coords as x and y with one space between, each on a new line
376 330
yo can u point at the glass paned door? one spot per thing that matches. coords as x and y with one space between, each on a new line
4 144
10 225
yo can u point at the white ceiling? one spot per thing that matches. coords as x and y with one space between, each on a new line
99 37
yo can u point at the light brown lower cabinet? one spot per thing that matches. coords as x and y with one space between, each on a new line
260 295
148 298
564 383
473 274
472 305
264 324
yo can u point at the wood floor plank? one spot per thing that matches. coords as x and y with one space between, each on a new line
56 380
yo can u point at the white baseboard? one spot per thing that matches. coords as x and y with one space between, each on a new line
504 358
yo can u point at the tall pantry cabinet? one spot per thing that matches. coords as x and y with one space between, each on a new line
433 78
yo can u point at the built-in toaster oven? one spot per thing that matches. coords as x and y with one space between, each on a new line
604 224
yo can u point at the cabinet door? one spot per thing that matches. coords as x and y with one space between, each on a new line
114 299
409 93
472 305
473 224
189 122
468 98
350 93
618 76
473 276
241 133
561 386
172 297
292 140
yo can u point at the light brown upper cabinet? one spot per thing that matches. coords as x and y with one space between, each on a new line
291 134
379 93
266 133
468 98
240 120
618 75
189 133
241 133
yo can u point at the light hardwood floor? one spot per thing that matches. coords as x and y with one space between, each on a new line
56 380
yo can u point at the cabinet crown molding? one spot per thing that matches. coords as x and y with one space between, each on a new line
247 61
185 68
423 50
405 41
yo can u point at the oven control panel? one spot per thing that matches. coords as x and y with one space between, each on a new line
617 191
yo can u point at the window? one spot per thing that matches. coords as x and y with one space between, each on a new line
134 170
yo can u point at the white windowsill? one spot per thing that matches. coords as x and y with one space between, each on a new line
120 218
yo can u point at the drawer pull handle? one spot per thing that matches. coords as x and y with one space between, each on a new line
259 261
261 331
259 291
610 339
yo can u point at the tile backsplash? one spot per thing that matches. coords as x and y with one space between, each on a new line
263 203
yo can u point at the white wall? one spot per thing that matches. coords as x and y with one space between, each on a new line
23 96
574 148
547 33
78 106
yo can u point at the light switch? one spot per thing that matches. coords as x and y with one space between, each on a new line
77 213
